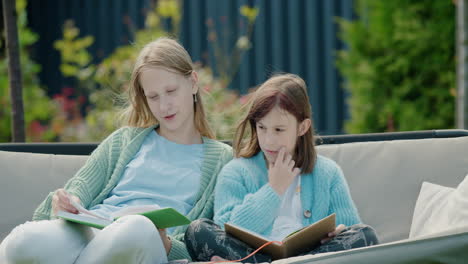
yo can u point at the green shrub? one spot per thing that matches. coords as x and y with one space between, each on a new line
105 82
399 65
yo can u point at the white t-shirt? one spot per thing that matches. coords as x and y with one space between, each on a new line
289 218
162 173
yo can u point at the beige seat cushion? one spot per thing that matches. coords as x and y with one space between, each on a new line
26 179
384 178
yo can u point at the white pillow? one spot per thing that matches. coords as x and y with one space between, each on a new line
440 208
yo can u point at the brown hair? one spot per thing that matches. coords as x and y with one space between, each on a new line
169 54
289 92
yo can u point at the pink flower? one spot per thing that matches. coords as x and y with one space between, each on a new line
81 99
209 22
67 91
244 99
36 130
207 87
212 36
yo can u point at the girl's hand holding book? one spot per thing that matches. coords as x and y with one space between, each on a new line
333 234
61 201
282 173
165 239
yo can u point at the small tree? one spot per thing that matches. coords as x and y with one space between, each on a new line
400 65
38 108
462 64
14 70
106 80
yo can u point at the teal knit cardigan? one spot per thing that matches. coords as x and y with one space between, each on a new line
244 197
105 166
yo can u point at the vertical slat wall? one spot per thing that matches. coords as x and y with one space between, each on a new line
103 19
298 36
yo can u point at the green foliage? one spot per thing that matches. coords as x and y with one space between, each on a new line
37 106
103 82
76 60
250 13
113 74
400 65
107 80
222 106
227 60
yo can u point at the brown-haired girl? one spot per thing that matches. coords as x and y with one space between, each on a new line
278 183
165 156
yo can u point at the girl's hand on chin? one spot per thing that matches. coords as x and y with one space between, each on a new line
282 172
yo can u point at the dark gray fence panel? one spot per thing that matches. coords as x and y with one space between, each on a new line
297 36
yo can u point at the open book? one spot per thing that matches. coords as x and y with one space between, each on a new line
300 241
161 217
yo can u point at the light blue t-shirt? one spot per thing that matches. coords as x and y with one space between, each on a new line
162 172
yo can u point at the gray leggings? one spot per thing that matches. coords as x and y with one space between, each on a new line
205 239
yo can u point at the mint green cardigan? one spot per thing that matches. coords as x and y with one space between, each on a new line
105 166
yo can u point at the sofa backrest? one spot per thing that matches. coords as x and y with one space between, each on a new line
25 181
384 177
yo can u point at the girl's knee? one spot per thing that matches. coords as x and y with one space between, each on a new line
43 242
23 243
135 231
132 220
199 224
371 235
130 239
200 227
368 232
197 232
18 245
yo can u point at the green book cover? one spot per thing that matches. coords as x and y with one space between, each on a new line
162 218
166 217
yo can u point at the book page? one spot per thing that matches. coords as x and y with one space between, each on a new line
84 219
240 232
254 240
84 211
309 237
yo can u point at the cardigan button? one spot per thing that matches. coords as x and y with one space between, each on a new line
307 214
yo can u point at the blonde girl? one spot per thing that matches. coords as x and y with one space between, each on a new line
165 155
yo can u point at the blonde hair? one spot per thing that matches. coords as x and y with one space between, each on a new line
169 54
289 92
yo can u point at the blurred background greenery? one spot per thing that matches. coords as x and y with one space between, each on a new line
398 70
400 65
61 118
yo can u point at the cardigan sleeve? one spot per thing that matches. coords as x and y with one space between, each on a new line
341 202
235 203
208 210
89 179
178 248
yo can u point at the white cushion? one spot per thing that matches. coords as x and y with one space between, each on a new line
385 177
439 209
